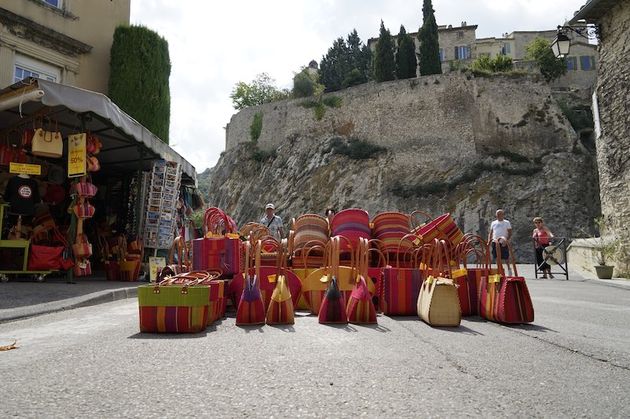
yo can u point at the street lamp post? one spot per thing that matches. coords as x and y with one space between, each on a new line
561 45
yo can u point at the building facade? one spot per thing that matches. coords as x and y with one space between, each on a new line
459 46
65 41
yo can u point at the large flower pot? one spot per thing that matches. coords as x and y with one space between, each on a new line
604 271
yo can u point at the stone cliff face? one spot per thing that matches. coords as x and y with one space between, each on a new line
450 144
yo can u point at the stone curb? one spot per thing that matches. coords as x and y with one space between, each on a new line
100 297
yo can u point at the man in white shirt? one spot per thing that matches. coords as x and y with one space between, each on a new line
273 222
501 232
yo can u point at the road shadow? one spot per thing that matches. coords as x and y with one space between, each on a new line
459 329
283 327
249 328
345 327
532 327
150 336
376 327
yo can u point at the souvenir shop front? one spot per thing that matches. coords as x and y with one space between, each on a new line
86 190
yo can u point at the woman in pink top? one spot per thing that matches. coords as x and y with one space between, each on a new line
542 236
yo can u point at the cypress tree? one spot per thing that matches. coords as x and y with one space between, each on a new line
405 56
429 43
138 80
384 57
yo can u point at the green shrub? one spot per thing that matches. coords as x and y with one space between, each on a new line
356 149
256 127
320 111
332 101
309 103
262 155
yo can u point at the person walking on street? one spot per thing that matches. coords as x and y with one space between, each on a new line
273 222
499 236
542 237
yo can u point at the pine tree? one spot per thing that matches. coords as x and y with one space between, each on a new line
429 43
405 56
384 57
359 57
347 63
334 66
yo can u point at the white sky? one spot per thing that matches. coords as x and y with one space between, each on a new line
215 44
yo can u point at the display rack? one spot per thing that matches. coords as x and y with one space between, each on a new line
161 215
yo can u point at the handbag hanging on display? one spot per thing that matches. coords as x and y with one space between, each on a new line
83 209
47 143
85 189
93 165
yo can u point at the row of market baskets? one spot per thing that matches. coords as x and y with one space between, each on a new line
439 280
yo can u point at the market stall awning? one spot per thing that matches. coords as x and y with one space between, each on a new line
127 145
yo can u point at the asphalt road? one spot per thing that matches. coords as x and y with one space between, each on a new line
573 361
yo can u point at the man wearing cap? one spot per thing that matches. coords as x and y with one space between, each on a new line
273 222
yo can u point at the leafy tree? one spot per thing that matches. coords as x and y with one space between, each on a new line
406 63
305 83
550 67
429 55
341 60
384 57
138 80
260 90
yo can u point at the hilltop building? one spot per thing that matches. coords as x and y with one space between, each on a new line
459 46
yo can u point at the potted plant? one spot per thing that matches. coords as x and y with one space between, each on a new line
606 249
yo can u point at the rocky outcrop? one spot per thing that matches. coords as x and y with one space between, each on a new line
449 144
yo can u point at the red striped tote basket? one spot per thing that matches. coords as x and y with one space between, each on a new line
353 224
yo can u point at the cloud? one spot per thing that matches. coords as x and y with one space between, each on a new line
214 45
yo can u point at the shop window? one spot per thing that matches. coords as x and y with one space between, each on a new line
462 52
571 63
587 62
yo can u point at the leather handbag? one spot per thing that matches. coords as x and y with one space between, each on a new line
438 301
47 143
